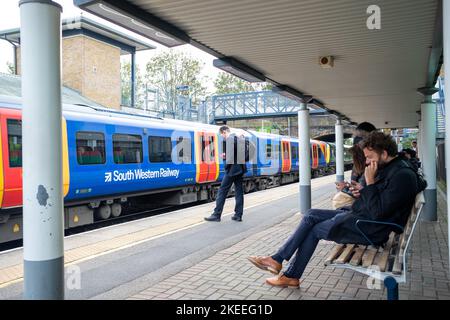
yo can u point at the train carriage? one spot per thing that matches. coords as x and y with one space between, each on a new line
111 158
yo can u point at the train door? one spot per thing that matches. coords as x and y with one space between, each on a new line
285 156
207 157
11 136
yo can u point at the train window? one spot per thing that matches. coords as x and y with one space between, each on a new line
294 151
202 138
211 149
15 142
268 150
90 148
160 149
184 150
207 142
127 148
286 150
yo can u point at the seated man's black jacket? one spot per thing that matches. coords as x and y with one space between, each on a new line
387 200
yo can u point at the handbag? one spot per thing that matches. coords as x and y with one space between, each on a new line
341 199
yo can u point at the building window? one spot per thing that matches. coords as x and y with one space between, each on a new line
160 149
127 148
90 148
15 142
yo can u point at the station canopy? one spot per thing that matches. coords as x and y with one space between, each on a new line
375 73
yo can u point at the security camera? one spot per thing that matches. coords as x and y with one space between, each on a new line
326 62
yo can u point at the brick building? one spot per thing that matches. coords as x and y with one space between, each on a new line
90 58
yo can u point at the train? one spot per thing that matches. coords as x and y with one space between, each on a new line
112 159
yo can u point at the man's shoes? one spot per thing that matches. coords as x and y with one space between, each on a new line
266 263
283 281
212 218
236 218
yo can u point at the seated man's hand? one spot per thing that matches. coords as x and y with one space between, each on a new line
371 172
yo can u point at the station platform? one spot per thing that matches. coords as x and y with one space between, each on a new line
178 255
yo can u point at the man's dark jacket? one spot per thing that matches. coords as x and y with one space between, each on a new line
234 166
389 199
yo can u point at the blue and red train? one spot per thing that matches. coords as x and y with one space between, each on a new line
111 158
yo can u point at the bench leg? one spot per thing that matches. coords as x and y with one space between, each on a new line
392 288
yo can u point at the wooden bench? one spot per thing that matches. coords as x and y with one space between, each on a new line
386 263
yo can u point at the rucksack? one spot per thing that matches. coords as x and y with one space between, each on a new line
421 182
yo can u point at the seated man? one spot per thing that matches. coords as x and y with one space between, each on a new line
389 194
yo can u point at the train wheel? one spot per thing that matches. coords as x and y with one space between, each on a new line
116 209
212 194
103 212
247 186
262 185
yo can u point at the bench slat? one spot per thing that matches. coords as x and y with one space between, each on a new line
357 256
334 253
397 267
345 255
386 251
369 256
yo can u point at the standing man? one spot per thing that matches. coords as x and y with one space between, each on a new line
235 168
414 146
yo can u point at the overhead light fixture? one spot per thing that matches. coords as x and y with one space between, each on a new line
131 17
239 69
291 93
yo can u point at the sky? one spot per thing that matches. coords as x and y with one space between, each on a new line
10 18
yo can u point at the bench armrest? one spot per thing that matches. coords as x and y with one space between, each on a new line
359 221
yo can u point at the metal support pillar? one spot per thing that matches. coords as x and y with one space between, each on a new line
428 113
446 40
304 158
43 228
133 80
339 133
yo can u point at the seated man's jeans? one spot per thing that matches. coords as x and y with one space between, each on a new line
315 225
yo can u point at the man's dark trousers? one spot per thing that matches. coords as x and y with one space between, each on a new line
315 225
225 186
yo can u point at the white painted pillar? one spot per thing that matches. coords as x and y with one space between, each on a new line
428 114
43 230
304 158
446 39
339 133
419 141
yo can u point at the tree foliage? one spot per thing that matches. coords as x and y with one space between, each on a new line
125 77
227 83
170 69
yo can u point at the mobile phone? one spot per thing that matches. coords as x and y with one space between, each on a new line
347 191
